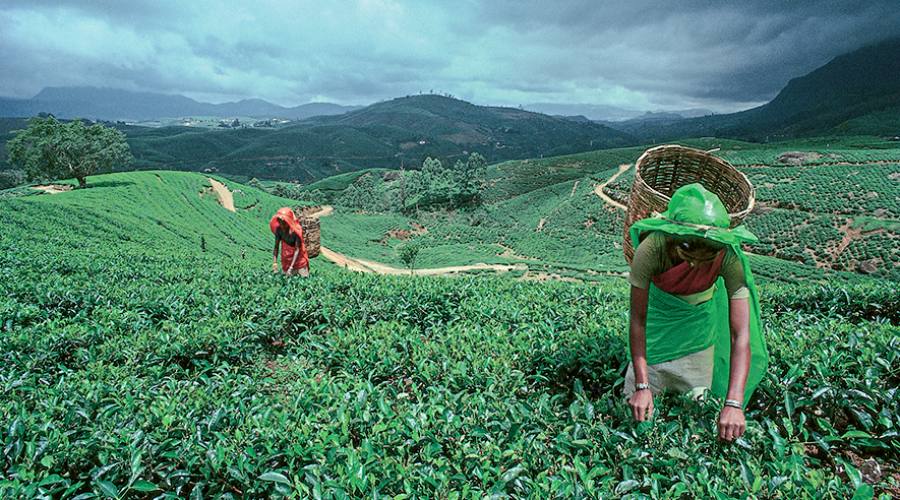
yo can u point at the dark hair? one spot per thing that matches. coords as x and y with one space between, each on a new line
699 244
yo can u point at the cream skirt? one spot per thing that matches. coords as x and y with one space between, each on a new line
689 373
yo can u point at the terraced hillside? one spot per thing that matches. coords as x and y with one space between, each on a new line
826 203
824 210
135 364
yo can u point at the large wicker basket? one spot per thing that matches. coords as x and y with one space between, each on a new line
311 236
663 169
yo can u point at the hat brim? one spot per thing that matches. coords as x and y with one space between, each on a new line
733 236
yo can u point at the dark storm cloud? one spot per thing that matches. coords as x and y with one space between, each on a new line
708 50
637 54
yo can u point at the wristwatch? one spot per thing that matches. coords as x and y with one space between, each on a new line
641 387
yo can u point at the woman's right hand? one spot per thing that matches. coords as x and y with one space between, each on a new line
641 403
275 266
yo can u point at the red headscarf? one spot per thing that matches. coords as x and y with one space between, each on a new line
287 215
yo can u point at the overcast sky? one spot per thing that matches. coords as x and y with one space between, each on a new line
658 55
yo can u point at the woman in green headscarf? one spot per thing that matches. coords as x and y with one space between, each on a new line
694 309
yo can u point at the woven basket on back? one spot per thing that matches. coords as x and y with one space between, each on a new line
663 169
311 236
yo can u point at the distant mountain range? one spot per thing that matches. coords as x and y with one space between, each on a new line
858 92
113 104
396 133
604 113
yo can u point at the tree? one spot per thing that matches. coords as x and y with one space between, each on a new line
10 178
52 149
413 189
362 194
408 253
438 183
469 177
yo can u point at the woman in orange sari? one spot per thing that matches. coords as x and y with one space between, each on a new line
289 235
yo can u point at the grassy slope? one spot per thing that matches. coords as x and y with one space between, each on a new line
154 210
335 184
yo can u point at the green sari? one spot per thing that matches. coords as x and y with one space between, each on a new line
676 328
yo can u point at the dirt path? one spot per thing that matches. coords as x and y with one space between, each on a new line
850 234
509 253
53 188
323 211
368 266
226 199
599 189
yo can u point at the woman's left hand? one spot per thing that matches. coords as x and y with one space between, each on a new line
731 423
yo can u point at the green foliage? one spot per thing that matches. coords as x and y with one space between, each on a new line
132 364
435 187
469 179
296 192
49 149
361 194
832 189
513 178
333 186
431 188
560 227
11 178
407 253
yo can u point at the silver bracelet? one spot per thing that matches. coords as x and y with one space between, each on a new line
641 387
734 404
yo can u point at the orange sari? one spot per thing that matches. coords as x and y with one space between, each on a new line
287 251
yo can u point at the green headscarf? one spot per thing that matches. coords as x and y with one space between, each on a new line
676 328
695 211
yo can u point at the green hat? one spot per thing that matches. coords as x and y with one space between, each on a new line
695 211
694 204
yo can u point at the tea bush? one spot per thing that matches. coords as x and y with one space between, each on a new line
134 365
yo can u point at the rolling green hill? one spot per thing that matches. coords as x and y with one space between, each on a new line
161 212
392 134
134 363
822 205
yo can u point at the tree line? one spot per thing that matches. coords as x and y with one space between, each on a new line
435 186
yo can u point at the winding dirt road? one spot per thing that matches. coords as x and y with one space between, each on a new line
226 199
599 189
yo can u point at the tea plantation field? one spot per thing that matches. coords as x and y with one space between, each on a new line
826 209
134 363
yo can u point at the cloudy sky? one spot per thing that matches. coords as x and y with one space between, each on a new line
636 54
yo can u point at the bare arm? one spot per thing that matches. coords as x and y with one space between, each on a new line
275 254
637 333
732 423
294 258
642 401
739 318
